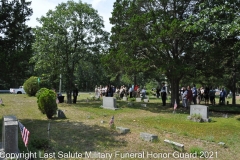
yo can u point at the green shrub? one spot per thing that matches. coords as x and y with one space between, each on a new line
31 86
47 102
40 107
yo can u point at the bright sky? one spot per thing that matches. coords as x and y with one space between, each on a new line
41 7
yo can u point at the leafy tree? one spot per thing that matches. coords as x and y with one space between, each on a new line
68 34
217 25
15 42
151 35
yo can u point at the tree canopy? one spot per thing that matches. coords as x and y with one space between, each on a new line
15 43
70 33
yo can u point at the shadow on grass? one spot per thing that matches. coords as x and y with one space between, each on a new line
67 137
150 106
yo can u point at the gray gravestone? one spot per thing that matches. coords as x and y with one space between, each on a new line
146 100
109 103
178 145
122 130
200 110
138 99
148 137
60 114
125 98
10 134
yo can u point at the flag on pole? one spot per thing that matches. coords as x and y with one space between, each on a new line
111 121
175 105
1 101
25 133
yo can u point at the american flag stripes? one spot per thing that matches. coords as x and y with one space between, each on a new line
25 133
175 105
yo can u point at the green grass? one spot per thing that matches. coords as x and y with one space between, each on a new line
82 130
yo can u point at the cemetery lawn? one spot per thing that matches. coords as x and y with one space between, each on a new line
86 129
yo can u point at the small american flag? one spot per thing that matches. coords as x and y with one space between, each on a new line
25 133
1 101
175 105
111 121
57 101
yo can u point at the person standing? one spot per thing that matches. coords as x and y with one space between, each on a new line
163 94
222 95
212 96
75 94
189 96
194 92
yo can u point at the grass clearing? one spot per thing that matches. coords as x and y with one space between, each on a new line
82 130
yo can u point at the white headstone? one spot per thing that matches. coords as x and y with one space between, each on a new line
138 99
201 110
124 98
109 103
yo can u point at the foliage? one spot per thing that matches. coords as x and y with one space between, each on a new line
31 86
41 108
71 33
47 102
16 40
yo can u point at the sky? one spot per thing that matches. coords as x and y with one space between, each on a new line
41 7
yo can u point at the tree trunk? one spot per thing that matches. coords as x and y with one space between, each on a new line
174 90
234 89
69 97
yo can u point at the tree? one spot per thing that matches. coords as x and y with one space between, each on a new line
153 36
67 35
16 40
217 25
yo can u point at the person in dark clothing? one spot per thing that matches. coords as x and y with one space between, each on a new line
75 94
163 94
158 92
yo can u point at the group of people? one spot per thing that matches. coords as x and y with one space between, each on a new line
193 95
110 91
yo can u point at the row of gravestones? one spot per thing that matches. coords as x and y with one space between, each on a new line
201 110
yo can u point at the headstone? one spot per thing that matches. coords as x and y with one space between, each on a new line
138 99
201 110
10 134
144 105
122 130
60 114
177 145
148 137
146 100
109 103
125 99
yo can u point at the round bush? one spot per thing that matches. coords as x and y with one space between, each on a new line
40 107
47 102
31 86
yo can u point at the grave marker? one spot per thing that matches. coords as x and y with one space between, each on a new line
148 137
10 134
122 130
201 110
138 99
109 103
